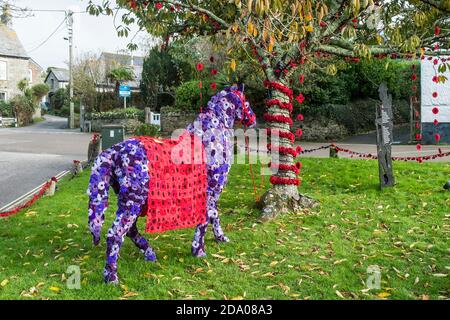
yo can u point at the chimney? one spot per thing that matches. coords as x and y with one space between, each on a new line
5 17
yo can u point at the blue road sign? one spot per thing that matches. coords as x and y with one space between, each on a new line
124 91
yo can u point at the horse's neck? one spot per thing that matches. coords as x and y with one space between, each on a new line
196 127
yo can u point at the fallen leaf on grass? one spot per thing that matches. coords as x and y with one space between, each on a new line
30 213
4 282
273 263
383 295
268 274
339 294
55 289
130 294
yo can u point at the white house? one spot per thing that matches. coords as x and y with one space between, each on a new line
429 101
109 61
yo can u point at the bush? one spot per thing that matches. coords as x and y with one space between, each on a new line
187 95
58 100
368 75
23 108
39 90
162 70
147 129
6 110
129 113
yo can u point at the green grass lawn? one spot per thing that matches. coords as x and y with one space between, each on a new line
321 254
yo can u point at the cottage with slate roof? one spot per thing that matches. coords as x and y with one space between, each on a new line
57 78
14 60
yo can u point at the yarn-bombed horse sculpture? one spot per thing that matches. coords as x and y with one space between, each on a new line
126 168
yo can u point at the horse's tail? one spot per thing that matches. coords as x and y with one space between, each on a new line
98 191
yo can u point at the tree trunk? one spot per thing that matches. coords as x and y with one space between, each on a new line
282 198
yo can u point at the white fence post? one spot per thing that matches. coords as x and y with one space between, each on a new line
155 118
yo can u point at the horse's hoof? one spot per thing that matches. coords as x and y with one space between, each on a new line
110 275
112 282
96 240
222 238
112 279
199 254
150 257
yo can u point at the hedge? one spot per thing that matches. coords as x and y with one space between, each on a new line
6 110
129 113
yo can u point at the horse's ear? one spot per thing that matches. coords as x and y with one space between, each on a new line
241 87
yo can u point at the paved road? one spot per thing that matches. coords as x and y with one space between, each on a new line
31 155
401 136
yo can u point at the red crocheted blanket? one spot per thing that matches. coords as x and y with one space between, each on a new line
177 190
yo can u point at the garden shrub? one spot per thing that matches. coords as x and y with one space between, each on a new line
39 90
6 110
23 108
58 100
368 75
131 125
147 129
162 70
187 95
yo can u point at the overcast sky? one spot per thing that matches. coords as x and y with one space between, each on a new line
91 34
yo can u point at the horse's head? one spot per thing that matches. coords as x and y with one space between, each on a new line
242 111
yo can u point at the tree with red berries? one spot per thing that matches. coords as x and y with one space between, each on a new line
283 35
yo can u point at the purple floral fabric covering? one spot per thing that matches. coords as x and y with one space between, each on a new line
124 167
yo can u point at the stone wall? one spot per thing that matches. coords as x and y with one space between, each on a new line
172 120
321 130
129 124
16 70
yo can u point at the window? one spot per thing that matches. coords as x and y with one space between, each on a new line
2 96
30 76
3 70
53 83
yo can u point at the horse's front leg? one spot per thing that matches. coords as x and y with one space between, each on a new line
121 226
198 243
213 216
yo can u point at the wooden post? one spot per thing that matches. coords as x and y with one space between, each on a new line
385 128
82 115
148 115
94 148
333 152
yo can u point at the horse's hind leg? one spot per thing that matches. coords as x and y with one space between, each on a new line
141 243
198 243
